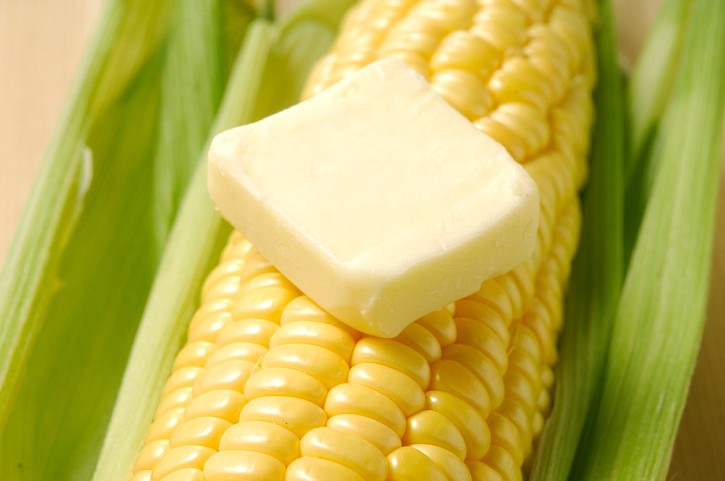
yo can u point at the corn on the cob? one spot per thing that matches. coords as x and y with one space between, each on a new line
271 387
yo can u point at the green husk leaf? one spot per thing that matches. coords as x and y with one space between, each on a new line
192 88
84 334
56 200
648 91
288 50
43 350
651 79
659 321
86 252
597 271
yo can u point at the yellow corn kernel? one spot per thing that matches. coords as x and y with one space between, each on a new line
452 466
272 387
248 465
455 378
431 427
440 324
194 354
482 472
296 414
506 435
465 91
347 450
395 385
230 374
141 476
200 431
253 330
503 462
181 378
320 363
175 399
393 354
221 403
185 474
502 24
262 437
479 309
482 367
409 464
150 455
478 335
164 425
240 351
372 430
469 422
351 398
205 326
306 468
327 336
463 50
278 381
181 457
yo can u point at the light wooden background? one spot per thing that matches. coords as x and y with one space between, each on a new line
41 45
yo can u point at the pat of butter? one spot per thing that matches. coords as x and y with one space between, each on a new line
376 198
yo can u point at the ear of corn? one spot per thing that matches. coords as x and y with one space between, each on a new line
449 402
269 386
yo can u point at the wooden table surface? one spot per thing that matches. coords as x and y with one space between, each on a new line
41 45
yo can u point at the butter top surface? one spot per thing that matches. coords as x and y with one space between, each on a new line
376 198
